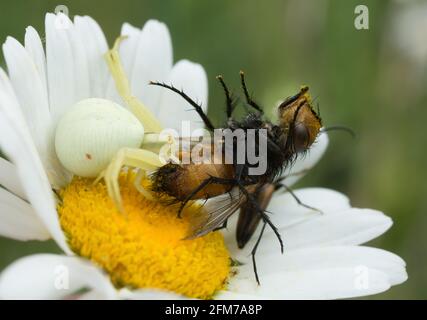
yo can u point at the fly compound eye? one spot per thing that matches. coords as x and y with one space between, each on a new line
301 137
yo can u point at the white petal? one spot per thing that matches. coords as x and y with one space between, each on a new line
18 219
191 78
9 178
30 87
16 143
130 31
322 273
126 294
95 46
57 174
285 211
336 283
82 89
129 46
145 55
50 276
60 67
153 61
127 53
30 91
229 295
94 295
303 164
34 46
352 227
68 74
149 294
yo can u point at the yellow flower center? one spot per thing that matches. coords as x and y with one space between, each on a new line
143 248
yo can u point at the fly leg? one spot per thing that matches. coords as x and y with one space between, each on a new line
263 214
254 250
200 187
228 99
197 107
224 226
266 221
249 100
279 185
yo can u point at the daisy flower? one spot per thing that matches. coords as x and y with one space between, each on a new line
141 255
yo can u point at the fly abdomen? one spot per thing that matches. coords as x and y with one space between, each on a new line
179 181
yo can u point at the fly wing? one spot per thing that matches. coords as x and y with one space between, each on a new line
249 216
215 212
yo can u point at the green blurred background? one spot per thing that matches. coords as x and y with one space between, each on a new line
371 80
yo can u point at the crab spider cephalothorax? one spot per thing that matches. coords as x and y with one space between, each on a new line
97 137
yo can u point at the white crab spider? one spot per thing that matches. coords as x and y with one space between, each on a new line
97 137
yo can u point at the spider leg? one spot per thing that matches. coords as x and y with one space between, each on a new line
137 158
279 185
141 175
144 115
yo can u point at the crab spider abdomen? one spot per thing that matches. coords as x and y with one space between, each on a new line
90 134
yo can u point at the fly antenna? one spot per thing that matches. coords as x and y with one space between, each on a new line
340 128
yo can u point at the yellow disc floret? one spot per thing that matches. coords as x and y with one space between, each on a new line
143 248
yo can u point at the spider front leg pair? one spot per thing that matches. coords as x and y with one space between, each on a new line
144 160
112 57
155 148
